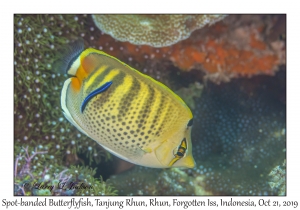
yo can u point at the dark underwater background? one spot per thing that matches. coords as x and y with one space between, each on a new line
231 73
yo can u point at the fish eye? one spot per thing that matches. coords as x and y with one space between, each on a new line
190 123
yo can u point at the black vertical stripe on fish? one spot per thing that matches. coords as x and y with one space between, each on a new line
161 106
99 78
98 66
146 106
117 81
163 122
128 97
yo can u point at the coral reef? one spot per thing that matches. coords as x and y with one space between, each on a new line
238 138
238 46
232 48
239 128
35 174
38 119
153 30
190 94
278 179
150 181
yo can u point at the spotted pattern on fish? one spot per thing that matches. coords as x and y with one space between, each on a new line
135 118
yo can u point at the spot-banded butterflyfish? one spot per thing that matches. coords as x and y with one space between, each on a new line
128 113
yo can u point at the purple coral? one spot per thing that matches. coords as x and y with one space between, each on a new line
25 169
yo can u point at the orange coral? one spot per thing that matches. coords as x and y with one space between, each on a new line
222 51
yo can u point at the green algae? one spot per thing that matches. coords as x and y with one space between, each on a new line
38 119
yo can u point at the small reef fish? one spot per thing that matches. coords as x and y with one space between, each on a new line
128 113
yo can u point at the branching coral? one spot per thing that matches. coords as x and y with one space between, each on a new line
153 30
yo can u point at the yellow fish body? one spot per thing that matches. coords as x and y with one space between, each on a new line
128 113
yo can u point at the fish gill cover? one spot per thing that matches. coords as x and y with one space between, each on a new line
239 125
